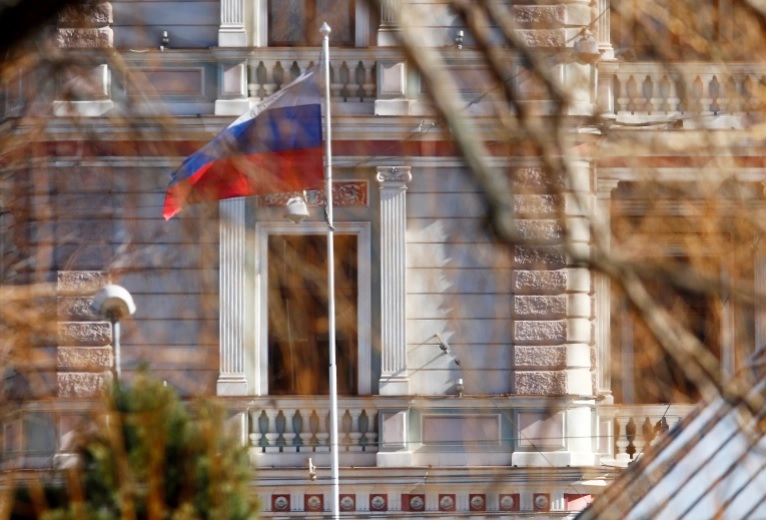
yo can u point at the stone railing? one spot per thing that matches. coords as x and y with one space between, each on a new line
632 428
294 425
684 88
352 71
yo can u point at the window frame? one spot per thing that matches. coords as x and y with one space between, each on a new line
363 232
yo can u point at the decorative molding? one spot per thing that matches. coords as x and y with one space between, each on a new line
344 194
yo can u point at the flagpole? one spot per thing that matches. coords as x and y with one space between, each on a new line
335 471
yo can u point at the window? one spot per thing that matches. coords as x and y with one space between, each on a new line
649 29
297 22
298 324
292 324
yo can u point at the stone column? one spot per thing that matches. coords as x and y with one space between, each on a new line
232 379
604 29
231 32
604 297
88 93
388 27
394 379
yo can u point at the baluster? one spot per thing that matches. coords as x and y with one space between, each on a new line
359 75
256 432
346 425
372 433
369 85
664 89
263 430
697 95
621 92
631 92
747 93
621 439
364 428
324 436
336 86
639 441
295 71
285 439
714 93
355 433
732 95
651 93
298 435
272 435
345 81
314 428
630 434
706 96
261 77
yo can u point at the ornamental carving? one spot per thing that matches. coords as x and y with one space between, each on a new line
394 175
344 194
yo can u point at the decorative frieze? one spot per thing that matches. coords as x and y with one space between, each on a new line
344 194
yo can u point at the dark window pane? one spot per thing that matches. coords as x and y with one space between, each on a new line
297 22
298 335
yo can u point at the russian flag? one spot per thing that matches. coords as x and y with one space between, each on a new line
275 147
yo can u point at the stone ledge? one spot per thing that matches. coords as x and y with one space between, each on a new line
95 333
79 384
84 359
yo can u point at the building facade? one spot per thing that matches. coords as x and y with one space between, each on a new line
479 377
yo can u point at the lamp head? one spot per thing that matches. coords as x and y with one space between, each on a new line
113 302
296 209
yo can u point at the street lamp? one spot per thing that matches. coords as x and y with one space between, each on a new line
114 302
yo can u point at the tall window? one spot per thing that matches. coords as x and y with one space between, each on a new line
670 29
297 22
298 324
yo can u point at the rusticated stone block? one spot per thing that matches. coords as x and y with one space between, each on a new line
540 331
76 309
81 282
545 38
537 205
85 359
89 15
536 180
553 306
540 383
82 384
539 257
540 16
540 282
95 333
85 38
540 356
544 230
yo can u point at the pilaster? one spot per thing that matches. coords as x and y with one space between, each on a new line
232 32
388 29
603 292
232 82
394 379
232 379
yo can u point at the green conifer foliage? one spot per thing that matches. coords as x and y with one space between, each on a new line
149 457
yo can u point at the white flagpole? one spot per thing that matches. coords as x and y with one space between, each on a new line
325 30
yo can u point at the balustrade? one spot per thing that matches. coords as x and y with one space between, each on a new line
688 88
292 426
352 75
637 427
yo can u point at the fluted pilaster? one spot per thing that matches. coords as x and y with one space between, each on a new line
231 32
231 379
394 379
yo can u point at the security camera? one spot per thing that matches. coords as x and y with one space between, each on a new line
113 302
